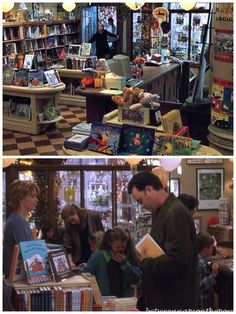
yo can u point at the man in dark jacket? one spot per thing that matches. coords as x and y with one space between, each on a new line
79 224
169 282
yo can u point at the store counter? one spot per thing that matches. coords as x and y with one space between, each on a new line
161 80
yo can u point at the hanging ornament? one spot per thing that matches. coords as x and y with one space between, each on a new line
155 25
162 175
170 164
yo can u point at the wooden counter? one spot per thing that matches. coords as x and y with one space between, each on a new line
162 80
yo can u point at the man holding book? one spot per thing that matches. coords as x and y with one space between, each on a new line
169 280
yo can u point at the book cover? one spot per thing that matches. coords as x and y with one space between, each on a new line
52 77
35 260
8 75
21 78
60 264
85 49
28 62
137 140
148 247
173 145
35 79
171 121
78 138
105 138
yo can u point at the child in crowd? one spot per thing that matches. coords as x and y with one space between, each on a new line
115 264
207 271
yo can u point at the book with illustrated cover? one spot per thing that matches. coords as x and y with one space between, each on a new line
148 247
21 78
137 140
35 260
60 264
28 62
173 145
85 49
82 128
105 138
171 121
8 75
53 78
35 79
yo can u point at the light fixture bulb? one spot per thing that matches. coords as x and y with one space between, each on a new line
134 5
7 5
187 5
68 5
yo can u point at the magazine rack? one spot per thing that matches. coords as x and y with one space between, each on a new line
38 98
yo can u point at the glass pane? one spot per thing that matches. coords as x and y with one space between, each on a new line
106 11
199 5
89 24
98 194
42 213
179 35
198 22
68 188
126 206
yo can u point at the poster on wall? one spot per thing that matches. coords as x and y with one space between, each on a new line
223 45
224 12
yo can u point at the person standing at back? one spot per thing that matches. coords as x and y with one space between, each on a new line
170 281
101 41
112 41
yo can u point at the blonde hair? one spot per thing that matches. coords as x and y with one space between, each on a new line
19 190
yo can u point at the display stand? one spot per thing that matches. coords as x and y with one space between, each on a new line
38 98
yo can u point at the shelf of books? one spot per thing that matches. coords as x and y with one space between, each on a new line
27 108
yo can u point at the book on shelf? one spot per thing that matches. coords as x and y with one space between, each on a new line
53 78
28 61
85 49
20 78
35 259
148 247
171 121
8 75
35 79
60 264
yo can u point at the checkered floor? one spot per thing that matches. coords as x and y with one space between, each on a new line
49 142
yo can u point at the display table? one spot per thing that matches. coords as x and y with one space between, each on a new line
162 80
38 98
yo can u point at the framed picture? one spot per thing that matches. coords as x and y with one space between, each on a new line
60 264
74 50
85 49
205 161
210 187
197 223
174 186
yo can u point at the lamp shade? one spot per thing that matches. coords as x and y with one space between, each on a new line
68 5
133 160
7 5
162 175
170 164
6 162
187 5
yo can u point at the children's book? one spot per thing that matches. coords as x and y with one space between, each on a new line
77 142
171 121
105 138
8 75
60 264
28 62
35 79
53 78
21 78
148 247
137 140
35 259
85 49
173 145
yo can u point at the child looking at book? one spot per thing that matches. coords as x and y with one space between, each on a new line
115 265
207 271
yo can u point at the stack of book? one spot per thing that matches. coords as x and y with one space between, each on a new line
82 128
77 142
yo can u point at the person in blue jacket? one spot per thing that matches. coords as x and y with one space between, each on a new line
116 264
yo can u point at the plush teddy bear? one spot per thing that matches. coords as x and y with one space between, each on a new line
146 100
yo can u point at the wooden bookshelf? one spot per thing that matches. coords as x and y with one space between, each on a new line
37 99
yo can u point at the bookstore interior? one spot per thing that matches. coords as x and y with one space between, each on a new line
41 276
130 78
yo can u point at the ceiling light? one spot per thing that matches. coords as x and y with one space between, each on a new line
68 5
7 5
187 5
134 5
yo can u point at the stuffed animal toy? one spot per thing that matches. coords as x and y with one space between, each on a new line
146 100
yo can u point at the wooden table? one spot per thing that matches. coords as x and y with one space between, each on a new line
38 98
161 80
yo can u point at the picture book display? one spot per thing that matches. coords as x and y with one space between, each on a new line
148 247
60 264
174 145
85 49
28 61
8 75
53 78
137 140
105 138
21 78
35 259
35 79
171 121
